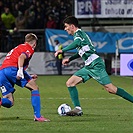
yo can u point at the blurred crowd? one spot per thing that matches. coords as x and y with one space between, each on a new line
34 14
16 15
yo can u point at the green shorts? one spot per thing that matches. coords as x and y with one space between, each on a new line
95 70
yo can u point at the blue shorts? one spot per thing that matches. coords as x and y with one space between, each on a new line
8 80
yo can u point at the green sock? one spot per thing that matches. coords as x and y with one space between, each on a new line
74 95
122 93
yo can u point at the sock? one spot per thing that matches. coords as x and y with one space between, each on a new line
77 107
74 95
122 93
36 103
6 102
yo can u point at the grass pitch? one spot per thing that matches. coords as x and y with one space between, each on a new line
103 112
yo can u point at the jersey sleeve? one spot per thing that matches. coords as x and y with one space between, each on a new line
71 46
28 53
73 57
27 50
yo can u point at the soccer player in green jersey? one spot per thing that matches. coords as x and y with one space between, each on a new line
94 66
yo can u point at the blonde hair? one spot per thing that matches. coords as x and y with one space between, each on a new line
30 37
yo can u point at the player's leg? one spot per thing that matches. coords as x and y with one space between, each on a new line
35 100
35 97
118 91
71 84
102 77
29 82
7 100
78 77
6 88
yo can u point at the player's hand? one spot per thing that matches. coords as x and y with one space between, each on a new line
20 73
34 76
65 61
58 52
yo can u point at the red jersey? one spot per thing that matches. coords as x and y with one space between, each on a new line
11 59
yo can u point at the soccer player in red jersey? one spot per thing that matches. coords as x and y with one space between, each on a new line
13 71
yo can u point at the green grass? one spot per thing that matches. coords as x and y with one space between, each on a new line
103 112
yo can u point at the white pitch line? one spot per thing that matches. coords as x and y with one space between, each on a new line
100 98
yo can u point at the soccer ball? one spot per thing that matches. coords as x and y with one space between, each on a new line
63 109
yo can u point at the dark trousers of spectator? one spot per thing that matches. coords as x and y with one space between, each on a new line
59 66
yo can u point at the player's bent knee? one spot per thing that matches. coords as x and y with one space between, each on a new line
68 84
32 87
35 88
110 90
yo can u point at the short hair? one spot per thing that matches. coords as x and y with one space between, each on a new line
71 20
56 41
30 37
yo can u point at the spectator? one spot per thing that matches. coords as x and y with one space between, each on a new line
31 18
13 37
21 21
63 8
1 7
59 58
23 6
39 20
48 8
2 34
15 10
58 9
8 18
56 14
63 12
51 22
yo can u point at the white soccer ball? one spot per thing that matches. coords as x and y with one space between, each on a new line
63 109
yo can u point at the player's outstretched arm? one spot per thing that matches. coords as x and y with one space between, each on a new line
65 61
58 52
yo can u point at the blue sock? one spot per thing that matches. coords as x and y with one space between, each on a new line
6 102
36 103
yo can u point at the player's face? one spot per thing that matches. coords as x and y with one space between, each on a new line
34 45
69 28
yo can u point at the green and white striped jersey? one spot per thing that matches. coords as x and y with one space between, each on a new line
84 46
